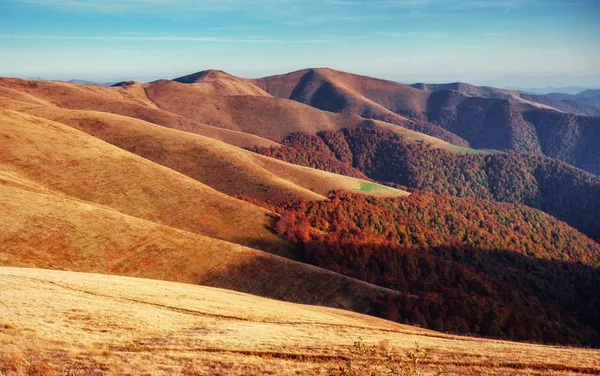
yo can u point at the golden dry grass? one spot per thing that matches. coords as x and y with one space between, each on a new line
222 166
44 228
360 92
241 120
265 116
70 201
77 323
129 100
379 96
76 164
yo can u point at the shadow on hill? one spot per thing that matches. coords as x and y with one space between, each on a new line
498 294
493 293
298 283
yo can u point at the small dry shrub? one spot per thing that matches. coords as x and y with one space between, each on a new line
13 364
381 358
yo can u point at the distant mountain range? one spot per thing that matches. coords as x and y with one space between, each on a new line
75 81
545 83
588 96
547 90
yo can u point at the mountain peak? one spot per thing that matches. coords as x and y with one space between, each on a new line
213 81
205 75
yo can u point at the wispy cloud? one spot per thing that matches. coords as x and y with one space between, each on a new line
138 38
441 5
289 6
408 34
110 6
290 12
285 12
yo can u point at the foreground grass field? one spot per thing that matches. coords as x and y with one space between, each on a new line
55 322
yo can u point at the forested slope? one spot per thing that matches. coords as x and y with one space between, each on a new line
557 188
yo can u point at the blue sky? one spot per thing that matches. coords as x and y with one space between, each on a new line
407 40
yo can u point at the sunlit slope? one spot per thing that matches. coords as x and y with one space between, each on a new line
221 83
72 162
89 323
337 91
221 166
240 120
129 100
39 228
264 116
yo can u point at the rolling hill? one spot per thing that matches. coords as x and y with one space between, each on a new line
336 91
571 104
267 117
590 96
44 229
71 162
128 99
217 164
481 91
487 118
235 119
578 105
220 83
63 322
72 201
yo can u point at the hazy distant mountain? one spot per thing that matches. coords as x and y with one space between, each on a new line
548 90
563 102
591 96
77 81
548 81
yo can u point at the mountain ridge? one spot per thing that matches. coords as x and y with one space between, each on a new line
497 119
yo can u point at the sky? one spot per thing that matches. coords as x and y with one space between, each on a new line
527 43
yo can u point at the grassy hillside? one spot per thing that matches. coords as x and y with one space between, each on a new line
129 100
267 117
76 164
141 180
58 322
240 120
336 91
220 83
355 92
41 228
221 166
